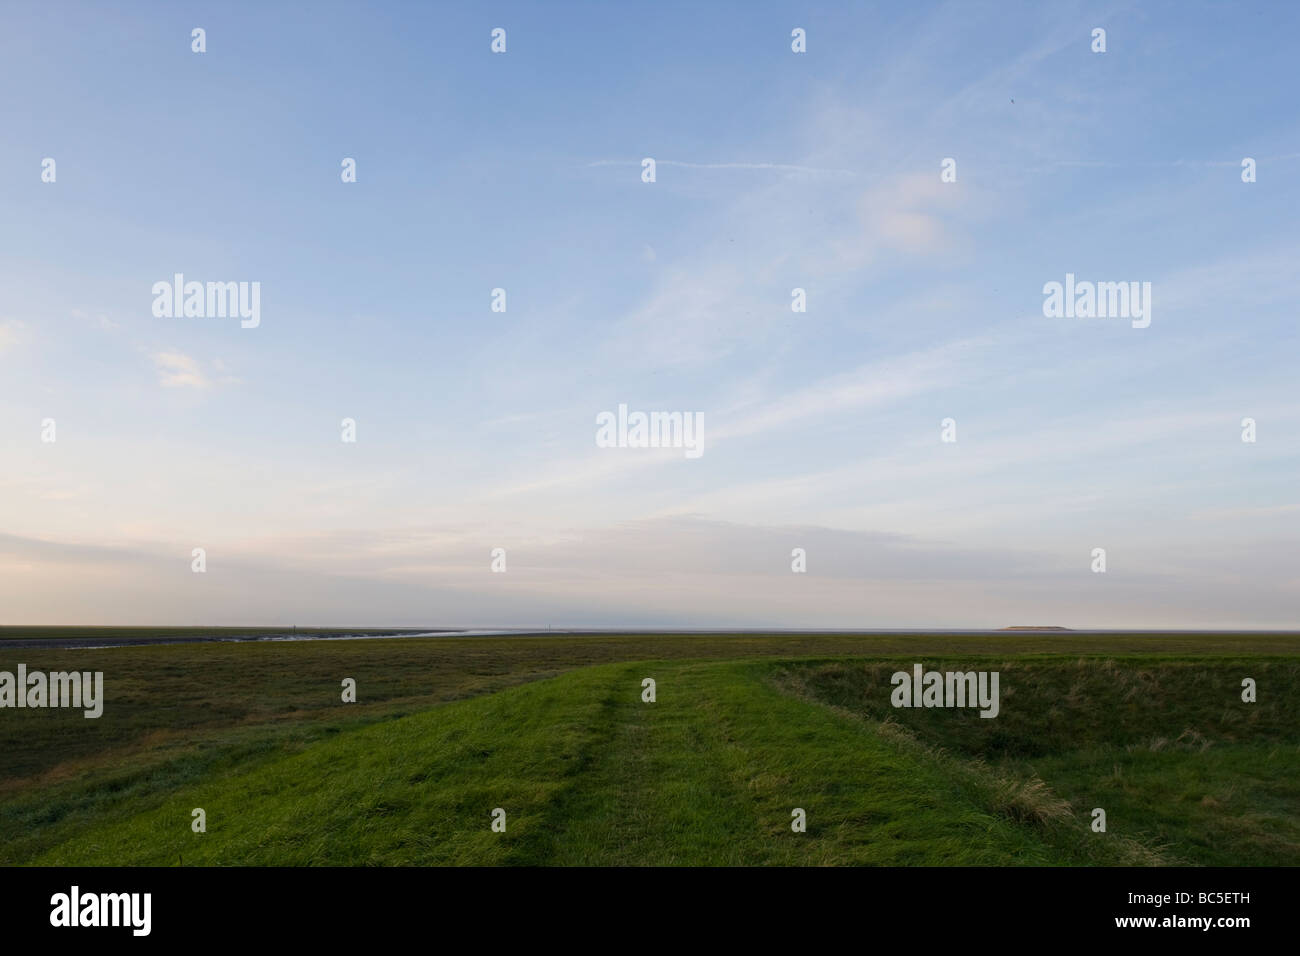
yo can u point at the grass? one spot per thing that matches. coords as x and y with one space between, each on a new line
1166 747
554 731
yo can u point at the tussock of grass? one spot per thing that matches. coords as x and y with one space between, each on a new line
1029 801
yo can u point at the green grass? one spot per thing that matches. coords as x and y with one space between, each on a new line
589 774
554 731
173 699
1166 747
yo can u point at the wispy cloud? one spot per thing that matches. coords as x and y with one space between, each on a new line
11 333
778 167
177 370
98 319
873 384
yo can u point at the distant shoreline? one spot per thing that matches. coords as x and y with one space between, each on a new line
54 637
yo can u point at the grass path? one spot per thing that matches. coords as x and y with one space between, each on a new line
711 772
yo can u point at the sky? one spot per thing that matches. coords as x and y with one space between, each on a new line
774 170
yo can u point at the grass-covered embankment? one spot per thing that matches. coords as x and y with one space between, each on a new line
709 774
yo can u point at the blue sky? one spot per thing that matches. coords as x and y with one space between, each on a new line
775 170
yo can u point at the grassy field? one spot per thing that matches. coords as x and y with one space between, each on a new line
744 730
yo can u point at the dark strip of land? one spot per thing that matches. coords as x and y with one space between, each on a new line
1007 639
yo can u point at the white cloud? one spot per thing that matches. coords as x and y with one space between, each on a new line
876 383
176 370
99 319
10 334
777 167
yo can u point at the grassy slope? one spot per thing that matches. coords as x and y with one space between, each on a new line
588 774
1166 747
